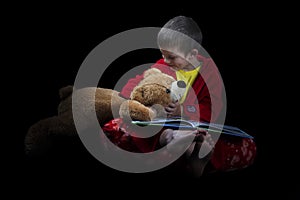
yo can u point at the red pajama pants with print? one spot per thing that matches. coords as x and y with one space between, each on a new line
230 152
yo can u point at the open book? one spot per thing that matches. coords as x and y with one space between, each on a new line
179 123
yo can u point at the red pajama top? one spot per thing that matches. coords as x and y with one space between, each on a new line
199 101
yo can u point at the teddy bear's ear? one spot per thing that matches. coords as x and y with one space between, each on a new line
151 71
65 92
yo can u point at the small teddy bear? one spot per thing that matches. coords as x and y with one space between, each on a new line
151 95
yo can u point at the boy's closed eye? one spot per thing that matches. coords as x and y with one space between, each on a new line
169 57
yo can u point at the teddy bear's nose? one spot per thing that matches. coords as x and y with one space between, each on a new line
181 84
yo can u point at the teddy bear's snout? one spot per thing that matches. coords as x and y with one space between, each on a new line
178 89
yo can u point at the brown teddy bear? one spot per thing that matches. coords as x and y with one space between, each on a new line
146 102
149 97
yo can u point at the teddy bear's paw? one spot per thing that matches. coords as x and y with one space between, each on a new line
134 110
159 111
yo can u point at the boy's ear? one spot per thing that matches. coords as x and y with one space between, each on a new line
194 52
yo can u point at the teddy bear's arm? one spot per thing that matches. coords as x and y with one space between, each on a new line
134 110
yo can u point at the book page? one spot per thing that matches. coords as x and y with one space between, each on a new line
179 123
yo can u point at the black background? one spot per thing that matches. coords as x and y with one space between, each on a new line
48 43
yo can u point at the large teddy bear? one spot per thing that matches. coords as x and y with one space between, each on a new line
146 102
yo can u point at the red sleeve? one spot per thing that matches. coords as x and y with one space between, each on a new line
127 89
215 89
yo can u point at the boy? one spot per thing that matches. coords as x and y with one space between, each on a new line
184 59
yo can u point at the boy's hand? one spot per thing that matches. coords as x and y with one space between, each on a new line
166 137
173 109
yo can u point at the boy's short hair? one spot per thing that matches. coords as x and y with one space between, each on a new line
181 33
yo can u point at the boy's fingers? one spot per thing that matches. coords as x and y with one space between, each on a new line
199 138
196 150
202 131
166 136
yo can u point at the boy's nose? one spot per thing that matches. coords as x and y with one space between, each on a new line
166 60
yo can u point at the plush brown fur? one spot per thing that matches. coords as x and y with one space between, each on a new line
152 93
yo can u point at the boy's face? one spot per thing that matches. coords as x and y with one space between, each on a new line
177 60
